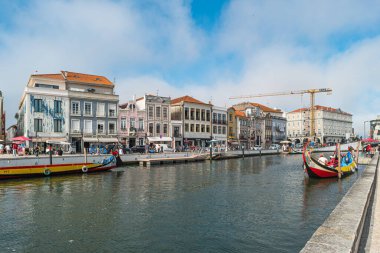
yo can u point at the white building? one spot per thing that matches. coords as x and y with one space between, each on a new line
72 107
196 120
331 125
375 128
219 125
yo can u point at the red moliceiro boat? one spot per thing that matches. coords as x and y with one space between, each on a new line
317 170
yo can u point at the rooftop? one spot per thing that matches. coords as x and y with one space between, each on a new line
322 108
77 77
187 99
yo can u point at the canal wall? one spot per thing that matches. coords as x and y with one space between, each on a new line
341 231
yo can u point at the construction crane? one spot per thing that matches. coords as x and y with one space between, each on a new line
312 93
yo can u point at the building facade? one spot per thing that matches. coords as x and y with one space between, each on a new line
267 124
131 125
71 107
219 125
2 119
331 125
157 118
196 120
375 128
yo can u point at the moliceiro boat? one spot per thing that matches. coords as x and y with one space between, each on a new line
316 169
14 170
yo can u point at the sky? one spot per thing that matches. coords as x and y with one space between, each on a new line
210 50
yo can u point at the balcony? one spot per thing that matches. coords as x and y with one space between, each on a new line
177 135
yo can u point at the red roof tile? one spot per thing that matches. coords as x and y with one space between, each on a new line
86 78
77 77
187 99
240 114
322 108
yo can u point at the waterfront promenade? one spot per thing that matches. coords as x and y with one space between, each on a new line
354 225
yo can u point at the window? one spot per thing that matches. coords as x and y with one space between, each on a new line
88 126
230 116
57 106
224 130
219 130
158 129
158 112
57 125
141 124
197 128
191 127
214 129
203 115
100 110
111 110
151 128
208 115
38 125
214 117
186 113
192 114
224 121
141 141
198 114
165 112
75 125
202 128
132 123
207 128
150 112
111 127
100 127
186 127
87 108
75 108
165 131
37 105
123 123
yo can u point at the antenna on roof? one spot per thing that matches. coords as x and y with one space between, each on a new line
157 92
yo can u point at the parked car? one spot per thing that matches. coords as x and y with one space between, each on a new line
257 147
138 149
274 146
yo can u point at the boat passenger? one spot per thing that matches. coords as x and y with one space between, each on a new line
323 160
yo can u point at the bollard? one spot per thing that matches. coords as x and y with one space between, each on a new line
260 152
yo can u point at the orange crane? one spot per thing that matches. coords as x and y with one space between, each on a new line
312 101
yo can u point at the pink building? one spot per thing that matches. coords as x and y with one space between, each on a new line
131 128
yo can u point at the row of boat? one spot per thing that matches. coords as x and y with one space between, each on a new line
14 169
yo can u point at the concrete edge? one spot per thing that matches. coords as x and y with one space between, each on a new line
341 231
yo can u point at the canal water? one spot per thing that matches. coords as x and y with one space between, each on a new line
256 204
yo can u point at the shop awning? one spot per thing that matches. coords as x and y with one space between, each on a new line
44 139
90 139
156 139
101 140
108 140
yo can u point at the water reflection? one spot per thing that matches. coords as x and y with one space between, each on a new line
260 204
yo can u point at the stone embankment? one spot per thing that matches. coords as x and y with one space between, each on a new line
341 232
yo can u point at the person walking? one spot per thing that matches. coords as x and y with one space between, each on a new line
36 150
14 149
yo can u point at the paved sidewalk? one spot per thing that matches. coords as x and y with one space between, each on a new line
374 239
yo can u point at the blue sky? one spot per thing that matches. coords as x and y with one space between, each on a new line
207 49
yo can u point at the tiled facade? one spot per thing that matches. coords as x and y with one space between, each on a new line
71 107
